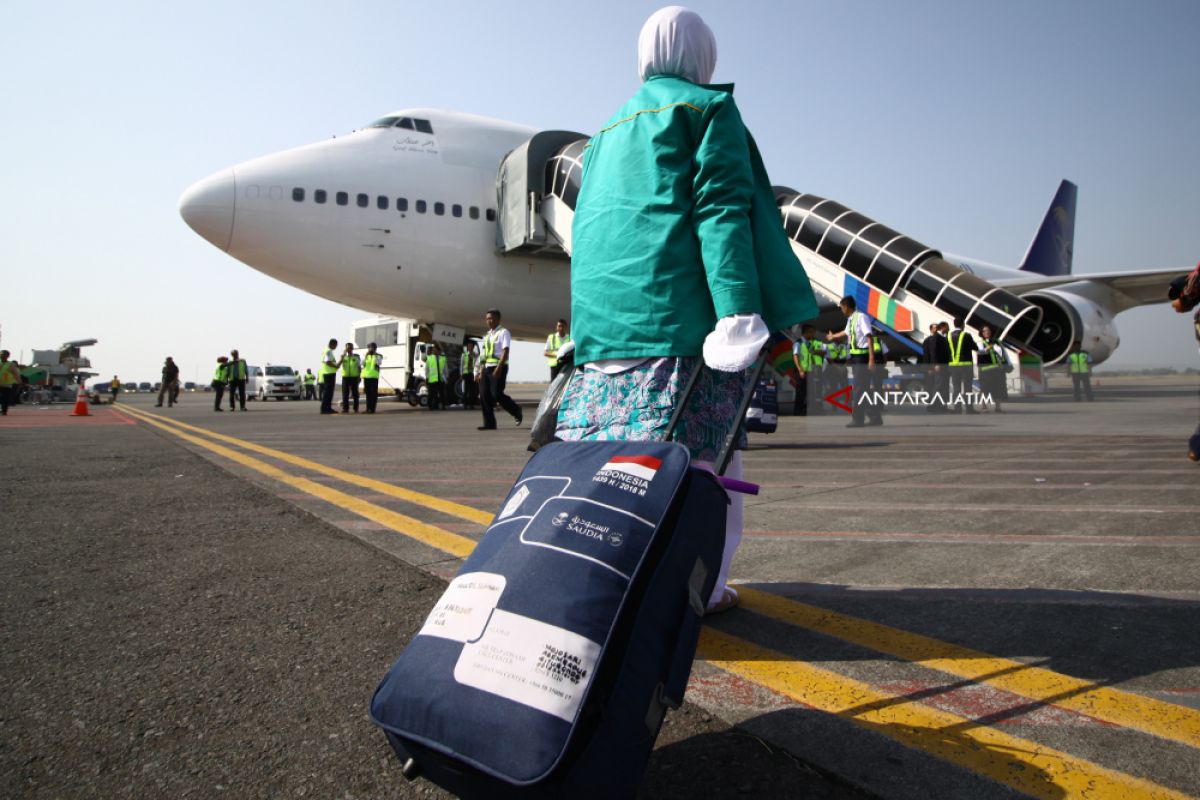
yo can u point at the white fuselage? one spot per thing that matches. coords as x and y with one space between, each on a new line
415 236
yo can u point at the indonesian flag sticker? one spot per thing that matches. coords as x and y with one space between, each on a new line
644 467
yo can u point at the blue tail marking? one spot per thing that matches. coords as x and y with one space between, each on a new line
1054 244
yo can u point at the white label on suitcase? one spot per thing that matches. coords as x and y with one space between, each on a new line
514 502
464 607
531 663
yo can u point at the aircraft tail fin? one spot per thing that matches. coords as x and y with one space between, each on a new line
1053 245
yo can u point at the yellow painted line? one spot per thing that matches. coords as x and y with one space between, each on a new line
431 535
428 501
1165 720
1024 765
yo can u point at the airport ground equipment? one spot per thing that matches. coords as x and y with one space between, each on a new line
547 666
57 374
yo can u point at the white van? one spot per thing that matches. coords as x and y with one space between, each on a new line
275 380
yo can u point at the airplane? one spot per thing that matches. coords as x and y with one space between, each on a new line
407 217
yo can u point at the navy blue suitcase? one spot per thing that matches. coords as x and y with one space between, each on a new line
547 666
763 414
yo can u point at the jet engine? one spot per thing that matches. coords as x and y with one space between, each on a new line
1068 317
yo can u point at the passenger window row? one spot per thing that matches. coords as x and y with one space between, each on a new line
383 202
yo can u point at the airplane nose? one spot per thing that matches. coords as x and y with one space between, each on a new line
207 207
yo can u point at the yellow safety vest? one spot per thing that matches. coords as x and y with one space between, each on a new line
554 343
222 373
371 365
435 368
328 369
955 352
309 379
851 335
1079 365
994 356
351 366
490 359
465 365
9 374
237 370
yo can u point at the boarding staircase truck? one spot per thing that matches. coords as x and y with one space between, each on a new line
903 285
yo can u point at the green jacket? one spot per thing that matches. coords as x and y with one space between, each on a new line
675 227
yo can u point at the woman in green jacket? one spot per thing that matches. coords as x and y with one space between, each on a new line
678 252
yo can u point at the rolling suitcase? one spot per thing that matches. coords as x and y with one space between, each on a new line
546 667
763 414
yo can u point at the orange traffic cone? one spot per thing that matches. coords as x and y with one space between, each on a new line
81 405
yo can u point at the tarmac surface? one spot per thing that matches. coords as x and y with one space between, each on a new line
948 606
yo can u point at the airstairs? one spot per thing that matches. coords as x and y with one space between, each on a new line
902 284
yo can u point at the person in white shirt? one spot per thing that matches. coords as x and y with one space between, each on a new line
494 358
861 339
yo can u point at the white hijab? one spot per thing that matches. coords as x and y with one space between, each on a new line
675 41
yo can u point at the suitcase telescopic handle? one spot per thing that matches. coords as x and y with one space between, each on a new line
730 444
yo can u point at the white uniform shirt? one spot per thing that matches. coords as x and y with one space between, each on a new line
501 340
858 331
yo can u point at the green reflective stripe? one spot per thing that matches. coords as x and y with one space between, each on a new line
956 352
995 356
1078 362
851 335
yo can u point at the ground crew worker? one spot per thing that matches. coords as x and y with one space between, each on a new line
993 368
170 383
804 356
1080 364
220 378
554 343
328 370
237 380
962 365
10 377
941 371
435 376
370 375
310 381
468 365
494 357
351 371
860 338
114 386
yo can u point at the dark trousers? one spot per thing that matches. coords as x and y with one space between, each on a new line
800 407
310 391
963 378
433 393
349 392
219 388
1081 381
492 390
327 384
864 406
470 391
237 394
371 390
6 394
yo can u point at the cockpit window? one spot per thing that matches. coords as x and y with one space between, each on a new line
405 123
383 122
423 125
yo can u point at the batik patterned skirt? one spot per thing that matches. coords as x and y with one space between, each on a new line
637 405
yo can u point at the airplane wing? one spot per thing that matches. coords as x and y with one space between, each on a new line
1132 288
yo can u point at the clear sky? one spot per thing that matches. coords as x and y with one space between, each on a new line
950 121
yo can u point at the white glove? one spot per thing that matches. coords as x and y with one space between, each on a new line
735 342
